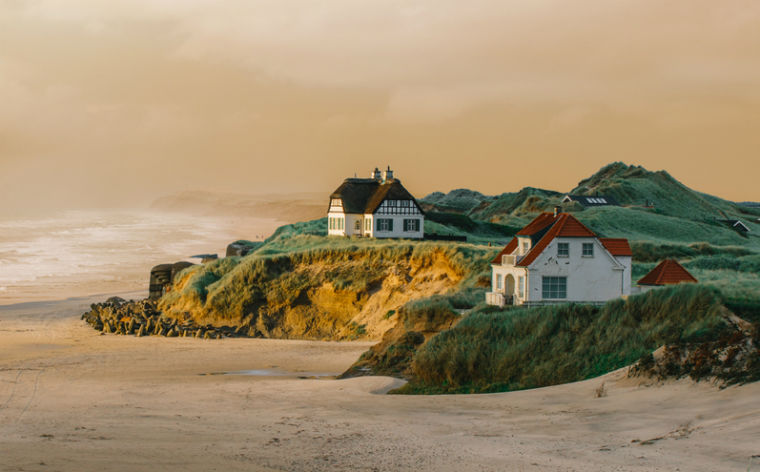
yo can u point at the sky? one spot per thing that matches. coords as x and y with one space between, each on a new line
114 103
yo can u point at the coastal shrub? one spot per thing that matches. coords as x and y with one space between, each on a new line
426 314
726 262
534 347
639 224
467 298
647 251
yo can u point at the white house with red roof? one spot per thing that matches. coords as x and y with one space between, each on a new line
556 259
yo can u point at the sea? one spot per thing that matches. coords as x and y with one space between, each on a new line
90 252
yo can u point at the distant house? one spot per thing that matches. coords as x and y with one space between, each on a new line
378 207
556 259
736 225
591 201
667 272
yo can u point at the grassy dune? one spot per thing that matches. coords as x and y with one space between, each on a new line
499 350
309 286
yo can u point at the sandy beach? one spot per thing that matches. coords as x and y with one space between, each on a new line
74 400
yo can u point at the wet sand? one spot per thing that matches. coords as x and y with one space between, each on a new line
74 400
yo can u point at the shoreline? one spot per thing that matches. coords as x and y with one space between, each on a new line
95 297
77 400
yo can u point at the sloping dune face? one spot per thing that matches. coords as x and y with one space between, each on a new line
318 294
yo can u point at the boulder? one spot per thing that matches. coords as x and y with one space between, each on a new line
241 248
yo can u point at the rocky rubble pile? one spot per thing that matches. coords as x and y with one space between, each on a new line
142 318
733 358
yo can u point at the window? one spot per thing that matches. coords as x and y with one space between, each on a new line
525 246
358 225
563 249
499 281
411 225
588 250
330 223
553 287
521 286
367 224
384 224
336 202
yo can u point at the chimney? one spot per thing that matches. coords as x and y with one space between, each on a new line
557 209
387 174
375 174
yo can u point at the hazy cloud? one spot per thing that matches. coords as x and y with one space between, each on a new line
157 96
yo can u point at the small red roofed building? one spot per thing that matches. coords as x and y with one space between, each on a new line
667 272
556 259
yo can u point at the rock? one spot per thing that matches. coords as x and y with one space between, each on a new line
241 248
116 301
162 276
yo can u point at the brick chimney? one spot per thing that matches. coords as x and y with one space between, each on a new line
387 174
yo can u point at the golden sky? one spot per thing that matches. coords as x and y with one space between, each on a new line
112 103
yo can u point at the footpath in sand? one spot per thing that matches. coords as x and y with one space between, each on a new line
74 400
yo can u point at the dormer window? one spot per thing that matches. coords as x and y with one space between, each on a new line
524 246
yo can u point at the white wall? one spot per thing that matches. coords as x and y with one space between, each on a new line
398 227
589 279
348 229
368 228
334 231
515 272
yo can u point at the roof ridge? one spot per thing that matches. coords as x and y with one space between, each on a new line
539 247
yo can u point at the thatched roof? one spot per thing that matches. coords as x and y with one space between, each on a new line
365 196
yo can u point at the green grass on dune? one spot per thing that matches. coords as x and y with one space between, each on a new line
644 225
231 288
525 348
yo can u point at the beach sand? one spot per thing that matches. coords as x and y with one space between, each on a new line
74 400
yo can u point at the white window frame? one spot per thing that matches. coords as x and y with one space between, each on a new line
556 290
384 225
561 246
590 247
411 225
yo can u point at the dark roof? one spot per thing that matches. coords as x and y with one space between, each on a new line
667 272
355 194
736 224
592 200
537 225
366 195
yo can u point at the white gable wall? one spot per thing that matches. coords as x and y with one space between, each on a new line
398 214
589 279
398 226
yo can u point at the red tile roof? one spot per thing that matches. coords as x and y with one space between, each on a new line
509 249
617 246
540 222
566 226
667 272
563 225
